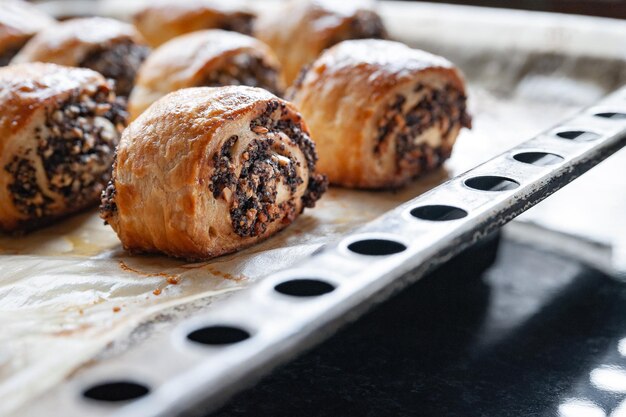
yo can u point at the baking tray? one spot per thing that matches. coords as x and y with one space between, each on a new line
506 73
535 334
267 324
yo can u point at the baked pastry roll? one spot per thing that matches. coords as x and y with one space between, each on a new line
166 19
380 112
19 21
58 130
302 29
206 171
209 58
113 48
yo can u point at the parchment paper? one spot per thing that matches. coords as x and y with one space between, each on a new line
68 291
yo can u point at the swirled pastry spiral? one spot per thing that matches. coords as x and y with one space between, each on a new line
380 112
58 130
302 29
206 171
210 58
19 21
163 20
113 48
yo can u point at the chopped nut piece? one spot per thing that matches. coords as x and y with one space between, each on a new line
260 129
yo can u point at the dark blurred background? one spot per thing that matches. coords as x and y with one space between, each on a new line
605 8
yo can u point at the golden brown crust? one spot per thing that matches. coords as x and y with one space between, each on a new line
70 42
380 112
206 171
304 28
35 126
113 48
190 60
19 21
27 88
164 20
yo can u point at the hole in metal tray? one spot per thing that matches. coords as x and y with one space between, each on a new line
116 391
376 247
578 135
612 115
218 335
491 183
541 159
304 287
438 213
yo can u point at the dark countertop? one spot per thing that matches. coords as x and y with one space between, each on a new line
604 8
522 338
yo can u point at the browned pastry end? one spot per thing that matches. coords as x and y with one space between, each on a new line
58 130
113 48
166 19
207 171
210 58
381 113
19 21
302 29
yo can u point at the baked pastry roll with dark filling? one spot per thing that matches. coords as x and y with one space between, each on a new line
302 29
113 48
58 130
206 171
19 21
381 113
209 58
163 20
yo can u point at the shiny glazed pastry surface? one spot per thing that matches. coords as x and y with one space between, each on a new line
209 170
19 21
302 29
113 48
163 20
208 58
380 112
58 130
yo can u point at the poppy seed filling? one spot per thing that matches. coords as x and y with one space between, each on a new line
119 62
7 55
244 69
75 147
238 22
265 164
443 108
364 25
